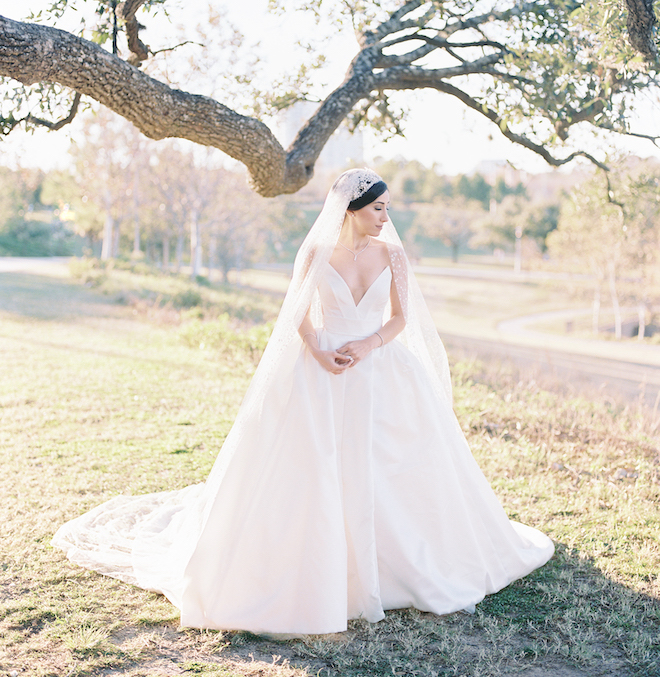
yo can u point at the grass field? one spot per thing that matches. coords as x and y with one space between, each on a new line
107 393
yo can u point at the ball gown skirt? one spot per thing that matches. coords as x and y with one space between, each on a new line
350 494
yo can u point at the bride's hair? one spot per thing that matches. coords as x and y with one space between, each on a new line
371 194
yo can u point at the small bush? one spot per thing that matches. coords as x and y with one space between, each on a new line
89 270
222 336
35 238
134 265
188 298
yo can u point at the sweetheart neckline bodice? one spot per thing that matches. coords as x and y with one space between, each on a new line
348 289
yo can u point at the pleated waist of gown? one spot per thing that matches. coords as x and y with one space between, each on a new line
346 326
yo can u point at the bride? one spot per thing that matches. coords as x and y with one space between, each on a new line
345 487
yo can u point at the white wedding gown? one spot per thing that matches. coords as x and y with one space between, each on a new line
353 494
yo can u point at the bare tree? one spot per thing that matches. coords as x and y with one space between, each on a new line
618 238
534 69
101 164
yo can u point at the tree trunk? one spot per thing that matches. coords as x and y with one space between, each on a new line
195 245
166 251
106 248
179 247
615 303
595 313
136 217
116 241
517 259
454 251
212 257
225 267
641 314
136 237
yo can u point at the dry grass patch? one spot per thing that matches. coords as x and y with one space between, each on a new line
95 401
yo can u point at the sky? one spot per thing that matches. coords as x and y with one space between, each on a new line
438 130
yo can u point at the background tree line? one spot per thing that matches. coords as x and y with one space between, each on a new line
177 206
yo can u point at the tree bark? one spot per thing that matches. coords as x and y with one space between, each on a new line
107 248
32 53
166 251
618 329
136 214
108 237
641 23
595 312
641 315
179 247
195 245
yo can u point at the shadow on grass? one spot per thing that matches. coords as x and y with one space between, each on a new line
565 620
47 298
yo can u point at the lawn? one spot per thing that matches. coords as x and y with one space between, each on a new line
131 384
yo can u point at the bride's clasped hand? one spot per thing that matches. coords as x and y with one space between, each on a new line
346 486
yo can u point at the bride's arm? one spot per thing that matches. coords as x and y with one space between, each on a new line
397 322
330 360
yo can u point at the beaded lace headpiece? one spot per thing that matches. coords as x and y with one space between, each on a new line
355 182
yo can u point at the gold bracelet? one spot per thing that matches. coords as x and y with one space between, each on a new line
382 343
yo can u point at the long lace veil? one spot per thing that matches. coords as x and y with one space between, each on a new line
148 540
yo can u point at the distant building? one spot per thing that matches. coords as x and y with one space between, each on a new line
343 149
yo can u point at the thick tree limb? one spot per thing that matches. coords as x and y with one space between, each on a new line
312 138
641 28
33 53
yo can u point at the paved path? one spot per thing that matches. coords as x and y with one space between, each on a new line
621 380
624 371
502 274
55 266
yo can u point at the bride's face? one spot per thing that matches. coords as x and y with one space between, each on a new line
370 219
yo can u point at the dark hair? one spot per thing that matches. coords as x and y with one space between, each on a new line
375 191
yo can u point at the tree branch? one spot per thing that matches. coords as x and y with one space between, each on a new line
494 117
171 49
444 44
139 51
648 137
54 126
313 136
33 53
389 60
416 77
8 124
395 23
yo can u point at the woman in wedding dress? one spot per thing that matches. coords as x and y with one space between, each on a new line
346 486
